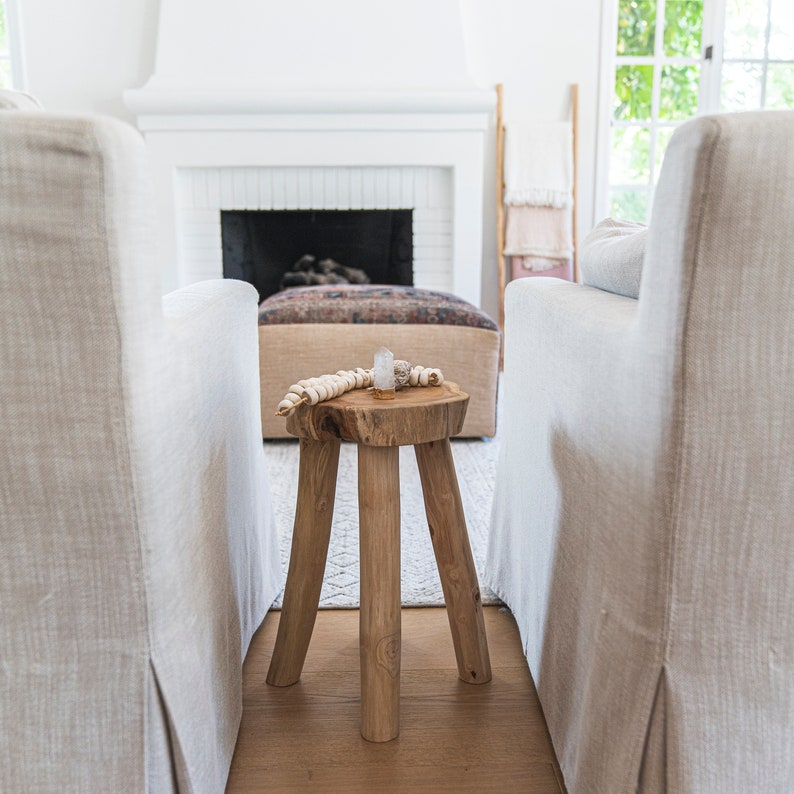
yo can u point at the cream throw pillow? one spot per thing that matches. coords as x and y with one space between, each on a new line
17 100
611 256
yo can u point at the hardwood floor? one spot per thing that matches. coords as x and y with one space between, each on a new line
454 737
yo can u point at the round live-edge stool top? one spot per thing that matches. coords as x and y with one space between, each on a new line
415 416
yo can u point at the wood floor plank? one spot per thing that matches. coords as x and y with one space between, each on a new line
453 736
537 779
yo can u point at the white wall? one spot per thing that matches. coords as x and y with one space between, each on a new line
536 50
82 55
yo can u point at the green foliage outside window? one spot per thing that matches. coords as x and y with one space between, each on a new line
631 205
683 22
633 92
636 27
678 92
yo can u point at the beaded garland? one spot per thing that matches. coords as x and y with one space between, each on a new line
326 387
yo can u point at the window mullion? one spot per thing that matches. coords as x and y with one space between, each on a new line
709 97
609 17
658 59
765 66
13 28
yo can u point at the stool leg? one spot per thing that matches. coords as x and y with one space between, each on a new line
453 556
379 626
314 514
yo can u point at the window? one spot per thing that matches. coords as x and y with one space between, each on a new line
758 55
10 63
672 60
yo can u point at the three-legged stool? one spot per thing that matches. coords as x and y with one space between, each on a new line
425 417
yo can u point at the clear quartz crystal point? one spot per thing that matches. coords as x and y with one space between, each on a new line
384 369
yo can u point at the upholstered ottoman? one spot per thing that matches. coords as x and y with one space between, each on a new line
307 331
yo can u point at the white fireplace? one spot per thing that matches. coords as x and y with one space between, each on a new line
342 104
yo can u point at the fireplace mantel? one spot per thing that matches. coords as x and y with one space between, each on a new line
153 101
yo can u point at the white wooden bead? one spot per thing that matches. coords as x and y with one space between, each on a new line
322 392
312 394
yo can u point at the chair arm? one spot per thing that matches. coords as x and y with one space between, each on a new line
568 333
585 433
209 538
212 333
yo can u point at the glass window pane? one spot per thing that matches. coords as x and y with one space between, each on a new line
3 34
781 32
633 89
631 205
630 163
678 92
636 27
741 86
780 86
5 73
663 135
683 22
745 28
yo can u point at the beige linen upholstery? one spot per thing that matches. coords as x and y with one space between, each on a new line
644 505
138 548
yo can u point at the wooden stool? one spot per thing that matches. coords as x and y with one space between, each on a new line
425 417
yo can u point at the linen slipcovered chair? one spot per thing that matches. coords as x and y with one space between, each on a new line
644 506
138 551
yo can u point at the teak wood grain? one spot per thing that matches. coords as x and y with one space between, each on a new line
452 549
416 415
314 513
379 633
424 417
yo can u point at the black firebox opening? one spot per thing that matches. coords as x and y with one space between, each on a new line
260 246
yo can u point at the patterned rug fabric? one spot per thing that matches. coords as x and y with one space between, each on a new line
475 463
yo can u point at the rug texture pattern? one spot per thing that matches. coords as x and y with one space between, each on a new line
475 463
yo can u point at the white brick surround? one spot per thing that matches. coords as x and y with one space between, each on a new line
201 193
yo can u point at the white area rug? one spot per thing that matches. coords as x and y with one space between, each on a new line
475 463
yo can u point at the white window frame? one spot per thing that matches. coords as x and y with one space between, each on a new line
14 57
